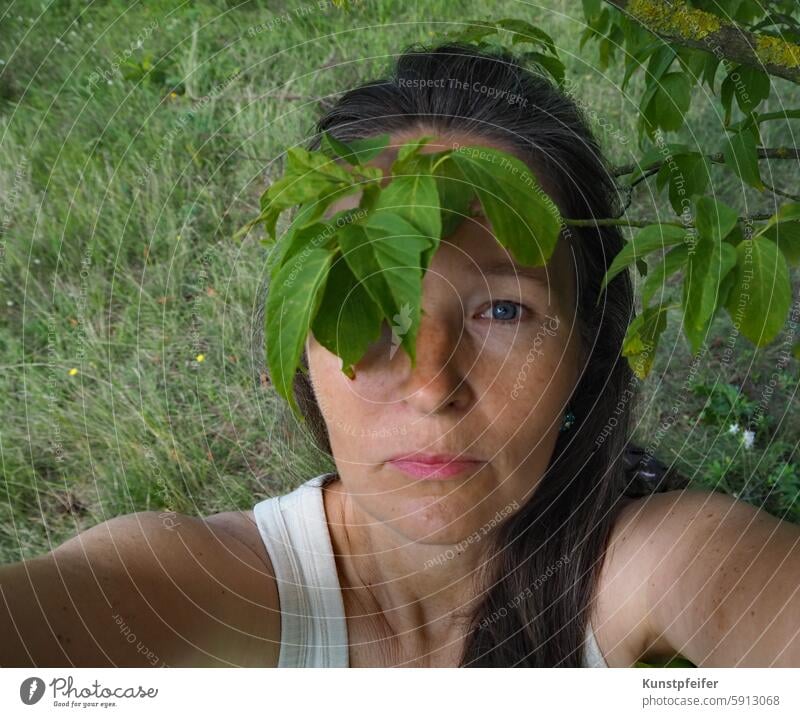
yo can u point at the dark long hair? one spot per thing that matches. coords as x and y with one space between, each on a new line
542 570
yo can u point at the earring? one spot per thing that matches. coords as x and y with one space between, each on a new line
568 421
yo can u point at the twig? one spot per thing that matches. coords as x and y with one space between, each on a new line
639 223
781 192
716 158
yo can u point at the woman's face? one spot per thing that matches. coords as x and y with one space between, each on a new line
497 359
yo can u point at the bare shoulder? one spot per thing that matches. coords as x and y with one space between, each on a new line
143 589
704 575
241 525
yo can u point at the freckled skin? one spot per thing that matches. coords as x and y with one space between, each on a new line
461 395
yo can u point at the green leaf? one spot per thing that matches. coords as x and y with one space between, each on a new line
714 219
416 199
526 32
641 339
408 156
318 234
705 270
786 212
726 97
292 302
385 256
523 218
670 102
301 162
310 178
355 151
455 195
348 320
646 240
762 293
752 87
687 175
787 237
657 278
741 155
710 69
634 60
474 31
591 10
552 65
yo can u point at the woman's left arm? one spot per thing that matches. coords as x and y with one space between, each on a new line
723 580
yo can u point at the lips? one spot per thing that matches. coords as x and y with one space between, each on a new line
436 466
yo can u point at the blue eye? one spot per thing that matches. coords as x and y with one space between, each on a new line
505 311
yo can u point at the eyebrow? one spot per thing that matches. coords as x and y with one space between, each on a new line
507 269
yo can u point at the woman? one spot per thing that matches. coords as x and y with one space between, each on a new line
475 517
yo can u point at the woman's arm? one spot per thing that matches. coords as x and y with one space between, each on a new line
723 581
140 590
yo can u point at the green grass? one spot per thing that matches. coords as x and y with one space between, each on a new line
118 203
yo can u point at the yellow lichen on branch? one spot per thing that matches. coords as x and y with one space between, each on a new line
678 23
674 19
776 51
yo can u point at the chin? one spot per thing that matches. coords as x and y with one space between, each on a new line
444 520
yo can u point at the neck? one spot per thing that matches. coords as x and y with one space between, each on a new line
427 590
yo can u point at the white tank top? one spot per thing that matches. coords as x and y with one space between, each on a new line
313 623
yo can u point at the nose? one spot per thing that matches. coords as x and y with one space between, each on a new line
436 384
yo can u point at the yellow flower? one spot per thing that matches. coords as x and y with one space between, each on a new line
173 95
73 372
201 358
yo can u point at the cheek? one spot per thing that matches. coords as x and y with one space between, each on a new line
530 396
358 419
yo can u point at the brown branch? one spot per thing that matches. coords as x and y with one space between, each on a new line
639 223
678 23
717 158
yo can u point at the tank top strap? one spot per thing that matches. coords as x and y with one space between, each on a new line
592 656
295 534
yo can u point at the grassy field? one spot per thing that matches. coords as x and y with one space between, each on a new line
133 142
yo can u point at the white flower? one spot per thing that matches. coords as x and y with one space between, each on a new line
734 428
749 438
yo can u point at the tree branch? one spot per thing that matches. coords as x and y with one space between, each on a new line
678 23
717 158
639 223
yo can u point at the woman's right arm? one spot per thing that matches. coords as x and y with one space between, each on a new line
140 590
